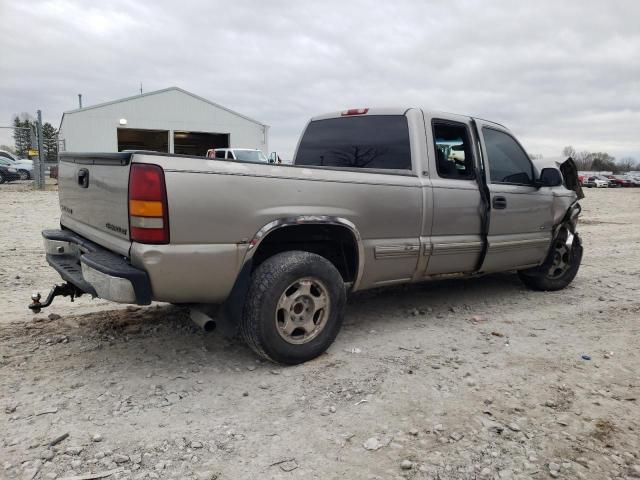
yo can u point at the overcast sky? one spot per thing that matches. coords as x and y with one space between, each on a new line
556 72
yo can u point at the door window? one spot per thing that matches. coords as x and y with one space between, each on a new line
453 151
230 155
508 162
220 153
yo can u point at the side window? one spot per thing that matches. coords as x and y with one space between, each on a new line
230 155
220 153
367 141
508 163
453 151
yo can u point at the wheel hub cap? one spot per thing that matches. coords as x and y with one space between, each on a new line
561 260
302 310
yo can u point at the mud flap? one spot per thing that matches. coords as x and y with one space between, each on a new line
232 309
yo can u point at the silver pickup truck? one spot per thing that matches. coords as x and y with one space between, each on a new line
375 197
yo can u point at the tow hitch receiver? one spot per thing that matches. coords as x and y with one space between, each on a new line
64 290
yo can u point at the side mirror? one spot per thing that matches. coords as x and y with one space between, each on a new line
549 177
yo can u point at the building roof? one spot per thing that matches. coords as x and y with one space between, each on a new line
156 92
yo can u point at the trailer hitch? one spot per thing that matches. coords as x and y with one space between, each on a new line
64 290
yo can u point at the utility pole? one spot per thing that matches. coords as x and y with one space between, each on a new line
39 167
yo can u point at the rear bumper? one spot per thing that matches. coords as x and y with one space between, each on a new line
94 270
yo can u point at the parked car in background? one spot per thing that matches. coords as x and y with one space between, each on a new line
23 166
581 179
614 182
9 155
621 180
240 154
633 181
596 182
8 174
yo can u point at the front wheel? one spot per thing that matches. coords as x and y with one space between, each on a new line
24 174
294 308
559 269
2 179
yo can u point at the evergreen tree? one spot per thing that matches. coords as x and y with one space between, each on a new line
22 134
21 140
50 142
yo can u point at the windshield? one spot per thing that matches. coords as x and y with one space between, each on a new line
250 156
7 156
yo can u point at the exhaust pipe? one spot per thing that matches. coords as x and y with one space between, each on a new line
204 321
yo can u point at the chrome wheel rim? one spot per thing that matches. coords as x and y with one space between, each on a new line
561 260
302 310
23 175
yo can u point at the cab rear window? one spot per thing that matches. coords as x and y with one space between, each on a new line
370 142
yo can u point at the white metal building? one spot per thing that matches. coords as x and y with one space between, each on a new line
170 120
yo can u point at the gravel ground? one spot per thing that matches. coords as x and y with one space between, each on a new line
472 379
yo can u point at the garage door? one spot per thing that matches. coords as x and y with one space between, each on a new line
138 139
197 143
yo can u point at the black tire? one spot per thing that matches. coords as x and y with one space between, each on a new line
540 278
24 175
2 179
261 322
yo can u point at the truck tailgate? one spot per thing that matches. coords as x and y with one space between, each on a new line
93 191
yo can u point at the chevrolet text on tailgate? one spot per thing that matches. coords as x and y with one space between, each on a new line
375 197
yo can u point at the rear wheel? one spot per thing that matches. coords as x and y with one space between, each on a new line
559 269
294 307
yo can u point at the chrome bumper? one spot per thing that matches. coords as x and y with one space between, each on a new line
94 270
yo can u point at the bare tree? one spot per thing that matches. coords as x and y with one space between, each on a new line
583 160
599 160
569 151
358 156
627 163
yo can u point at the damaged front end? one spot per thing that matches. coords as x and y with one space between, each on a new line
567 216
566 244
565 250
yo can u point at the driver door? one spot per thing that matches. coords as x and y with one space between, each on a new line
521 215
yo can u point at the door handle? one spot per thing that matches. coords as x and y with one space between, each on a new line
83 178
499 203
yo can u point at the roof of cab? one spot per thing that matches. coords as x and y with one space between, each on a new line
400 111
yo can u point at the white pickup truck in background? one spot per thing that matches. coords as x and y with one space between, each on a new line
241 154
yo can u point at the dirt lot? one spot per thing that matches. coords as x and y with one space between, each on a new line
455 380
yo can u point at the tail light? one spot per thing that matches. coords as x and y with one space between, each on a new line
148 209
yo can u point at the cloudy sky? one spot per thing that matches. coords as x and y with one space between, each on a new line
556 72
